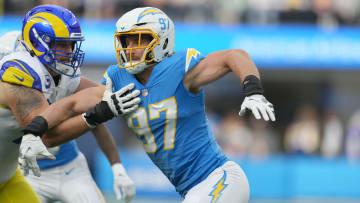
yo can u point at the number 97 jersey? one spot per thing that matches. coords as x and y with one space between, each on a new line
171 122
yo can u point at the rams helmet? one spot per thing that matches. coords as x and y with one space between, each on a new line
43 28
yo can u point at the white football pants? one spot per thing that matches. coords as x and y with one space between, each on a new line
226 184
69 183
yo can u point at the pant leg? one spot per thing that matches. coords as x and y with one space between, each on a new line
47 186
17 189
77 183
225 184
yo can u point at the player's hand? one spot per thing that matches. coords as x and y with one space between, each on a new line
123 101
31 148
124 187
259 106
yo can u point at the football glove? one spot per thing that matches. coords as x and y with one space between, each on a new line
259 106
113 104
31 148
123 101
124 187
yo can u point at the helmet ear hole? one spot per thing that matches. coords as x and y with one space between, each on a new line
166 43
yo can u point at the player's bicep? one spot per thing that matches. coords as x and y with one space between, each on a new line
25 103
209 69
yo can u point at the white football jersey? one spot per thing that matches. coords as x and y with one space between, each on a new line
20 68
10 42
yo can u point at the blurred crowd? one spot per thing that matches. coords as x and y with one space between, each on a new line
322 12
307 133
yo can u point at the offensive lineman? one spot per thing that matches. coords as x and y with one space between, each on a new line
27 72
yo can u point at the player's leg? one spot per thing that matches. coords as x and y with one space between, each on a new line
227 183
47 185
17 189
78 184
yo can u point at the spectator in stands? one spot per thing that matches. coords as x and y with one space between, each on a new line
303 135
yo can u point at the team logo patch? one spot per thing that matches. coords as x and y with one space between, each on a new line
21 79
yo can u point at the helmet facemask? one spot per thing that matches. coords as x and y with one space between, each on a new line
148 56
66 62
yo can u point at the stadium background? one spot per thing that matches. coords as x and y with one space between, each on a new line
308 55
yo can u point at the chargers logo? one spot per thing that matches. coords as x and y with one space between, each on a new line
191 53
152 11
218 188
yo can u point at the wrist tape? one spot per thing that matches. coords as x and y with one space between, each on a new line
38 126
98 114
252 85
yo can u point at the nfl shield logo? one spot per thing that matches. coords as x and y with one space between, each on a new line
144 92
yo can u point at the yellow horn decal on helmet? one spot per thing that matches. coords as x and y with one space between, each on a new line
26 34
57 24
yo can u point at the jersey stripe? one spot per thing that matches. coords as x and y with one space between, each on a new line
20 73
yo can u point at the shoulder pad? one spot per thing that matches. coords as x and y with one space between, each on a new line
18 72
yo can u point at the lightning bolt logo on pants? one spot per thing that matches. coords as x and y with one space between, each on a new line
218 188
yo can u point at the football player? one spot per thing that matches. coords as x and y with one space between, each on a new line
171 120
45 59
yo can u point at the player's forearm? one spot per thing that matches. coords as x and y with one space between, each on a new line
218 64
106 143
58 112
71 106
240 63
66 131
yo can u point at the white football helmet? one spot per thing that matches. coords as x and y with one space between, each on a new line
144 21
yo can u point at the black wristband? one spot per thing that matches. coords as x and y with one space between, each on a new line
38 126
99 114
252 85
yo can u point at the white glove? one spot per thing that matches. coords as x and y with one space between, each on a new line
124 187
32 147
123 101
258 105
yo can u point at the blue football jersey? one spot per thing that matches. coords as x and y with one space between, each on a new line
171 122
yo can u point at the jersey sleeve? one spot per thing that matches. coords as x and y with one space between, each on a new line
108 73
192 58
179 64
69 85
20 73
